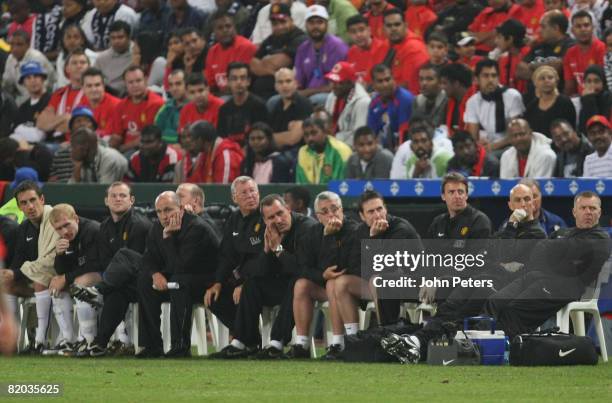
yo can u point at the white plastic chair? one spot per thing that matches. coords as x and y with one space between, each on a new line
198 328
366 316
266 319
576 310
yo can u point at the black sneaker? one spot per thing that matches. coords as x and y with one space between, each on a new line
269 353
124 350
91 295
298 352
150 353
230 352
401 347
81 349
34 350
64 348
178 352
96 350
334 353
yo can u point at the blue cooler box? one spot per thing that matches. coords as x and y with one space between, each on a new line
492 343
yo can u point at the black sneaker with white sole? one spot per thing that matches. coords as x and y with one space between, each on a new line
401 347
334 353
96 350
64 348
270 353
298 352
230 352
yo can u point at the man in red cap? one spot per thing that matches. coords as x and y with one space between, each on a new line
599 133
348 102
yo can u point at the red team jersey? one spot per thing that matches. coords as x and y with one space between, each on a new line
530 17
65 99
507 70
376 23
576 61
190 114
488 20
130 118
419 18
364 60
410 54
242 50
104 114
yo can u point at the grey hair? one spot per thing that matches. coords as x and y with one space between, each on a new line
531 183
194 190
327 195
170 194
240 180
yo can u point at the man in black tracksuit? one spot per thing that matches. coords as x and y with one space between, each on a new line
559 271
337 242
122 242
272 283
508 252
241 247
8 231
460 225
181 248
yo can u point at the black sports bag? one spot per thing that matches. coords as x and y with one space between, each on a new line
365 345
549 347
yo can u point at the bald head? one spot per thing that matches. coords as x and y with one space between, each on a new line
168 208
191 196
521 197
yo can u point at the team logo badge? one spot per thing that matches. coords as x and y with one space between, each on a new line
257 227
464 231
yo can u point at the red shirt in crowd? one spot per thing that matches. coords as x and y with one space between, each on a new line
65 99
529 16
27 26
419 18
470 62
410 54
376 23
190 114
131 118
488 20
455 111
364 60
507 70
222 165
104 114
576 61
218 58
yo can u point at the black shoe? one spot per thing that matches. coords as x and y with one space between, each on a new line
334 353
178 352
81 349
269 353
231 352
96 350
401 347
34 350
91 295
150 353
298 352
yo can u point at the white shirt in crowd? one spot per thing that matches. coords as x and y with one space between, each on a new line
479 111
596 166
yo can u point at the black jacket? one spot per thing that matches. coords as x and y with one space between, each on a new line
399 228
583 150
193 249
342 249
26 249
82 254
469 224
241 245
574 253
513 245
129 232
8 230
295 250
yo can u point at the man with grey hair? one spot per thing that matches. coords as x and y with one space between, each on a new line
241 245
337 250
192 201
182 251
284 252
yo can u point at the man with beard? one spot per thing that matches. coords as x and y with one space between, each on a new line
323 157
348 102
230 48
155 160
272 283
317 55
431 103
599 133
530 155
237 114
471 159
276 51
573 149
428 159
337 252
92 162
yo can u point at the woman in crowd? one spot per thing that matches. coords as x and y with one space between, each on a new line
174 56
596 99
262 162
548 104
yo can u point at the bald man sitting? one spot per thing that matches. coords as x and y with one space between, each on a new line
182 250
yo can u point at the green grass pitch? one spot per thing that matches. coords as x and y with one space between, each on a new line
203 380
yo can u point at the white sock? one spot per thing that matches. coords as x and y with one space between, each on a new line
276 344
88 320
43 311
238 344
11 303
338 339
62 308
351 328
121 334
303 341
